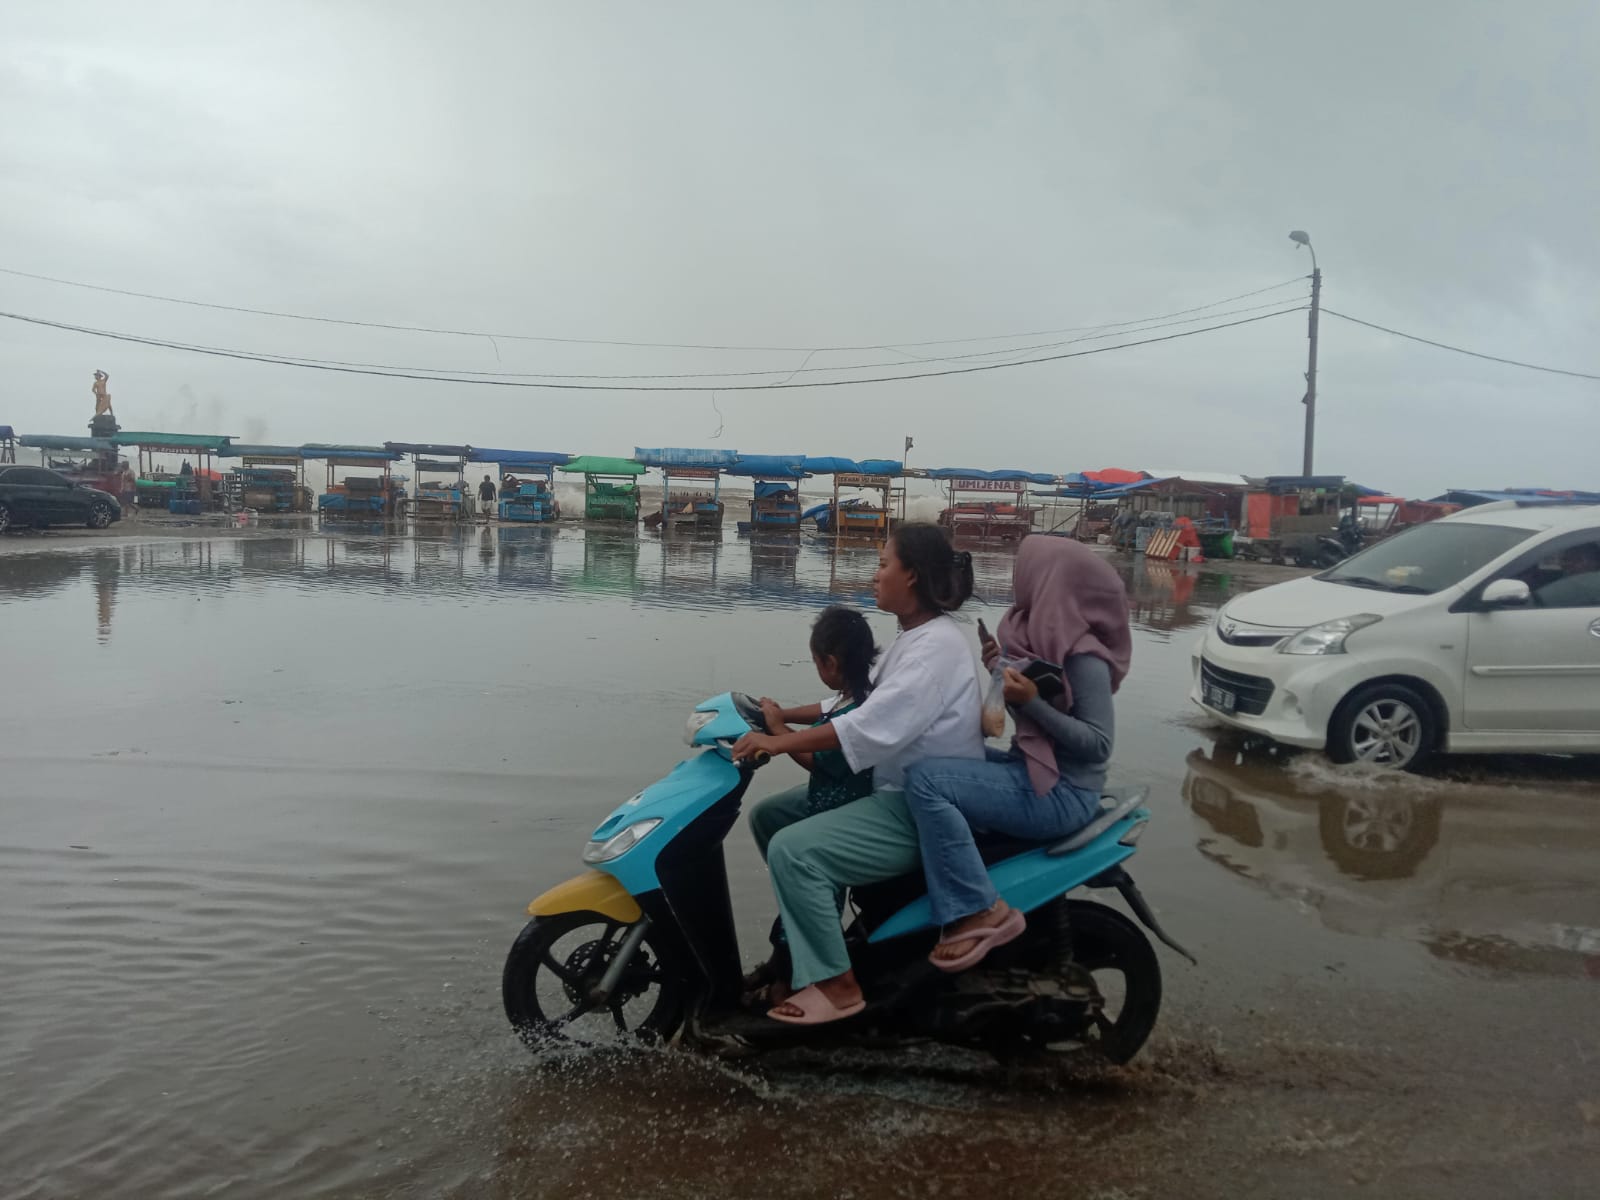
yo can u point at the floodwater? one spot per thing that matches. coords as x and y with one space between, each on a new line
273 806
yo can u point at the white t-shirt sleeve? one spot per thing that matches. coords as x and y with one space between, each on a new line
897 713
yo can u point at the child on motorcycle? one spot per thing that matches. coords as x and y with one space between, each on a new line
1069 614
843 652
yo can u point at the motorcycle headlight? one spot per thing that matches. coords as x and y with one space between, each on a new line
619 843
697 722
1329 637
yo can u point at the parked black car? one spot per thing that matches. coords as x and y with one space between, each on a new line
33 496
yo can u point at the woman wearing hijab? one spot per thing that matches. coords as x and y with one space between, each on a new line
1069 613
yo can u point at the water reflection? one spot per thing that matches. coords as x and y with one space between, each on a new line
1498 874
681 570
525 556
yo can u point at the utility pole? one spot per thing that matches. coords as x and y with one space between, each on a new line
1300 237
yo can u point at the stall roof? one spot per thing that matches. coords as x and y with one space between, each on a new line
1210 478
51 441
7 432
451 467
770 466
596 464
258 450
522 458
1115 475
177 441
673 456
1008 476
444 451
1468 497
849 466
329 450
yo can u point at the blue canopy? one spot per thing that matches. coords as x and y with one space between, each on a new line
427 448
1468 497
678 457
994 476
522 458
849 466
770 466
772 487
6 433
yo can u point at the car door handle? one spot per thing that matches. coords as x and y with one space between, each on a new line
1594 628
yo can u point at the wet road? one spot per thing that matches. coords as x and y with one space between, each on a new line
273 806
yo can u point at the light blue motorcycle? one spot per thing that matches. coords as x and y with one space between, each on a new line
643 944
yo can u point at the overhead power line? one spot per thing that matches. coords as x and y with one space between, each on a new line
528 337
384 373
708 376
1510 362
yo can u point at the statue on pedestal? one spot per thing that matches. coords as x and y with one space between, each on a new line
104 422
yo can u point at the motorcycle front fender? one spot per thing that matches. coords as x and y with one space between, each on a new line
593 891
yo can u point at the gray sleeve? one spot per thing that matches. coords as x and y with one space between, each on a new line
1087 732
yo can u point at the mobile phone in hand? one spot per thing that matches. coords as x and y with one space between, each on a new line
1047 678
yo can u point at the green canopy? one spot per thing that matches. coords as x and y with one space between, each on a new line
592 464
174 441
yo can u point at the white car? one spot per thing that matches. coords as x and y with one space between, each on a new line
1477 633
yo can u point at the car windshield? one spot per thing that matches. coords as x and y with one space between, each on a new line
1427 558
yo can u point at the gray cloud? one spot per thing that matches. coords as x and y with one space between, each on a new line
821 174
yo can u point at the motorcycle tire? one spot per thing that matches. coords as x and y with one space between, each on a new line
553 963
1106 942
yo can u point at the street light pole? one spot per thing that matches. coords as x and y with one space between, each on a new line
1300 237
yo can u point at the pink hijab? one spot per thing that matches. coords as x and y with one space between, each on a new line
1067 600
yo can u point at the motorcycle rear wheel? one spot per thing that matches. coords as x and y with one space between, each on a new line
554 963
1115 951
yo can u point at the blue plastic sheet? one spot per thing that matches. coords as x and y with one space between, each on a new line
849 466
770 466
673 456
483 454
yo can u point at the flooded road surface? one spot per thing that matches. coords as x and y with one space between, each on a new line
273 807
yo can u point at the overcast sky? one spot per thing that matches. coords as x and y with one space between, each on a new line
801 174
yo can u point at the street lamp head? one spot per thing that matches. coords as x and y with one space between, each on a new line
1300 237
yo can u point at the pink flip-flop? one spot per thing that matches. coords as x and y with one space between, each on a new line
816 1008
987 939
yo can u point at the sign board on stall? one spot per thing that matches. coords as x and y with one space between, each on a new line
988 485
862 481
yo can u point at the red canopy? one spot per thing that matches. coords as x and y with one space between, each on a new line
1115 475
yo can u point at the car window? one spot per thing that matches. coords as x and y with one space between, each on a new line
31 477
1427 558
1568 579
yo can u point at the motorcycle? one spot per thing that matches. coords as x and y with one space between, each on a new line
1332 549
643 945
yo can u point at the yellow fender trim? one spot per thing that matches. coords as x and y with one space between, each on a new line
593 891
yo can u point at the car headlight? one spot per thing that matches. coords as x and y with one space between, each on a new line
697 722
619 843
1329 637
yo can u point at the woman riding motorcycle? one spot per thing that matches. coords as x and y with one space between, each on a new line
926 700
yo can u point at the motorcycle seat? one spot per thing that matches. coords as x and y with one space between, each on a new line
1115 804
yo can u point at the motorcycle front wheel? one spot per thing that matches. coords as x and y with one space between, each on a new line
557 961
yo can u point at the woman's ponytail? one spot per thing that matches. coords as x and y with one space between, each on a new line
944 574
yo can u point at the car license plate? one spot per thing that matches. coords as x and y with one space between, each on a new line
1220 699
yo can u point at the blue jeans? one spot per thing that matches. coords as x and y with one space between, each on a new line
949 798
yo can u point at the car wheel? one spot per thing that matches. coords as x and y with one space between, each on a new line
5 518
1385 725
100 515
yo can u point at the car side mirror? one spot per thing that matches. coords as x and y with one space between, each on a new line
1506 593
